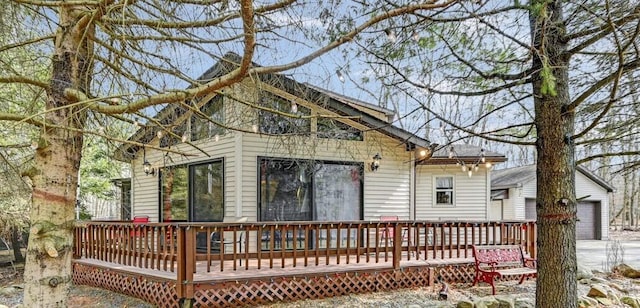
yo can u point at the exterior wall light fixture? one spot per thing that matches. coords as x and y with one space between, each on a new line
375 164
146 166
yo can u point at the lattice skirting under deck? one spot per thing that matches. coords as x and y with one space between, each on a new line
270 290
284 289
161 293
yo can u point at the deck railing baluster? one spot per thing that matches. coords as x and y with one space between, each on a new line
306 245
348 253
458 240
316 246
296 231
338 242
328 244
284 233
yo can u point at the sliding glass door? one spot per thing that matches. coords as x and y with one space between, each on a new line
192 192
305 190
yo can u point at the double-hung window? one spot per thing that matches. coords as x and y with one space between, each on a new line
444 190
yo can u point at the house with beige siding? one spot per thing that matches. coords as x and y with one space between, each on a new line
273 149
514 197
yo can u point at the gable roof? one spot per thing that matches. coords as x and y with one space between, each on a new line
342 105
515 177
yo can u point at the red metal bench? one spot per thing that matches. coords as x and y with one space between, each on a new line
501 260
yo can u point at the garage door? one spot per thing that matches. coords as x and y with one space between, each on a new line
588 222
588 225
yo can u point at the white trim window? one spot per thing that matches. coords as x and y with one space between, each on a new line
444 190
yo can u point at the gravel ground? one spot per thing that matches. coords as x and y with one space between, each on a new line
419 297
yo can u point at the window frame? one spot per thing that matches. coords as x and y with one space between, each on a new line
311 183
190 188
342 130
196 120
452 190
279 103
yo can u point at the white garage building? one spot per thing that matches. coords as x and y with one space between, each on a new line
513 196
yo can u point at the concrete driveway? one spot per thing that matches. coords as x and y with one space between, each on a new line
593 254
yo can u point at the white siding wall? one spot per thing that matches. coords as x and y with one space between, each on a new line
529 190
517 202
509 206
470 194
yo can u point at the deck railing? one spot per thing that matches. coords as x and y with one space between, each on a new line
249 246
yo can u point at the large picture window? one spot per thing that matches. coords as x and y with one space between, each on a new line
192 192
306 190
444 190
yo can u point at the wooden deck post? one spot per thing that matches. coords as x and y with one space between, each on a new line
181 270
186 265
397 245
531 228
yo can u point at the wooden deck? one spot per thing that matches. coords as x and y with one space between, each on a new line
168 264
287 269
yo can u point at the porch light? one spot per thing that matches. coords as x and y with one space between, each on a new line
375 164
146 166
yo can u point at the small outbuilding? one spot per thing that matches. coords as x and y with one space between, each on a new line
513 196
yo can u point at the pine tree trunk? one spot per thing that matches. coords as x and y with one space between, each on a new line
47 272
17 245
632 200
556 201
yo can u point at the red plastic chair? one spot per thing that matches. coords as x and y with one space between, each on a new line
387 233
139 220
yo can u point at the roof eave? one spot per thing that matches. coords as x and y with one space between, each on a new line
466 160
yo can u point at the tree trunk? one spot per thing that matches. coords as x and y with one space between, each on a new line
16 244
47 272
556 200
632 200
